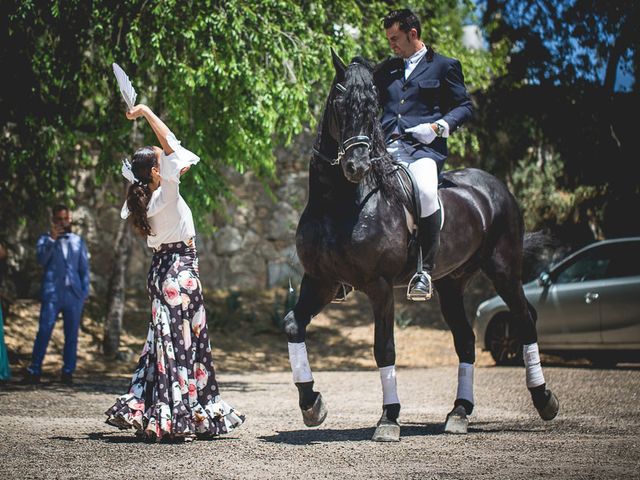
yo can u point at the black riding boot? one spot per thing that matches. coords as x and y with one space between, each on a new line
429 235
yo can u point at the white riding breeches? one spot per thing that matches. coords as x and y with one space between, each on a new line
425 172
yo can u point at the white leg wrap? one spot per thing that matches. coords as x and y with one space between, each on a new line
389 385
465 382
531 356
299 362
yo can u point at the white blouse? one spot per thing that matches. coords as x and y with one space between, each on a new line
169 215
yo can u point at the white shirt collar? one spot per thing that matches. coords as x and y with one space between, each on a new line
416 57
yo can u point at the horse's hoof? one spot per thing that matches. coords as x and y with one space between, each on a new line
315 415
386 431
550 410
457 421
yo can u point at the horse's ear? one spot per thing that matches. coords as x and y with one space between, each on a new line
338 64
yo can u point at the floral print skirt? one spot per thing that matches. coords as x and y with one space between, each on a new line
174 392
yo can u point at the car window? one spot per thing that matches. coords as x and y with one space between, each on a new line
620 259
591 265
625 260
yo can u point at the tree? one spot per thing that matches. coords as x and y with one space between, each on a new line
559 97
233 79
564 43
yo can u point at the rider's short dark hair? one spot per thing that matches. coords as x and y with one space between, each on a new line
405 19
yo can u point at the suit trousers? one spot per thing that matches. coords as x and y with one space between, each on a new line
71 308
425 171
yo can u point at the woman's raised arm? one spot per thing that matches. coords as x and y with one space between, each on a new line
157 125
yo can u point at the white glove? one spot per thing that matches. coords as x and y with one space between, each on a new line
423 133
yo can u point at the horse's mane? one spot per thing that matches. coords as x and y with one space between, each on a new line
361 101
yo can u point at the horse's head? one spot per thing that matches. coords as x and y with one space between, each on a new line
353 105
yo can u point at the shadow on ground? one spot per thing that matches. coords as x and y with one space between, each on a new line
325 435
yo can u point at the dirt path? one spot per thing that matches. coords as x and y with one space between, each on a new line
58 432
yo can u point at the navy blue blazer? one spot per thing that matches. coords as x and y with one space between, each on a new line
435 90
57 267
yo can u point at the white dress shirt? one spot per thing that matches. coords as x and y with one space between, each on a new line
169 215
64 243
411 62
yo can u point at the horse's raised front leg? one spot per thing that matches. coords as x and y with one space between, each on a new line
450 293
380 294
314 295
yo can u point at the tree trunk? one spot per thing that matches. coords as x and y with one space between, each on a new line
117 281
623 41
116 292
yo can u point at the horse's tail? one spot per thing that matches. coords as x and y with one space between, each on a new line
538 248
535 244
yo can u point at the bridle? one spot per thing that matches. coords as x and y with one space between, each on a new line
344 146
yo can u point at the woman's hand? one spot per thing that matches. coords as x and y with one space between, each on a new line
157 125
137 111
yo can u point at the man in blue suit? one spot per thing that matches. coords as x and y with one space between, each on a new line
424 100
65 287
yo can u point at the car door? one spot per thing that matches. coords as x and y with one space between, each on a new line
570 303
619 297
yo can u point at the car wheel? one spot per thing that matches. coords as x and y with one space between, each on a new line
504 347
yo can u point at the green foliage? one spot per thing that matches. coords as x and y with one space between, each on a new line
538 180
554 126
232 79
569 42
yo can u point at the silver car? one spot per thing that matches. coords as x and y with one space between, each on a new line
588 305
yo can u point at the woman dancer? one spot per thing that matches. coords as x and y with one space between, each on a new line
173 393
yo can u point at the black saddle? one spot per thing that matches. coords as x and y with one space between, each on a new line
410 187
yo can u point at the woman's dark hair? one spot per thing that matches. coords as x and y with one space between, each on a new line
405 18
139 192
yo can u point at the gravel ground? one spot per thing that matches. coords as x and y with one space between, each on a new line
58 432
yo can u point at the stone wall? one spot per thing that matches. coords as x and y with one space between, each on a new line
253 245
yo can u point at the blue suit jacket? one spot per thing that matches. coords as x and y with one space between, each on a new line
435 90
57 268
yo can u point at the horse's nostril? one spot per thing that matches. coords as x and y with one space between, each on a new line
351 169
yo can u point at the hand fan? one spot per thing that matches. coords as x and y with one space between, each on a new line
127 90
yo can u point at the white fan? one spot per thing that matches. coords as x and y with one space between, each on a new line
127 90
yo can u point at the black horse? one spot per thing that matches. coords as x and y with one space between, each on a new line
355 230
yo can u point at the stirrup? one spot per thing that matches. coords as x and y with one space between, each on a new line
341 294
419 296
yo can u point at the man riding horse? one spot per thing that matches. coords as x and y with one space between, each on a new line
424 100
354 230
